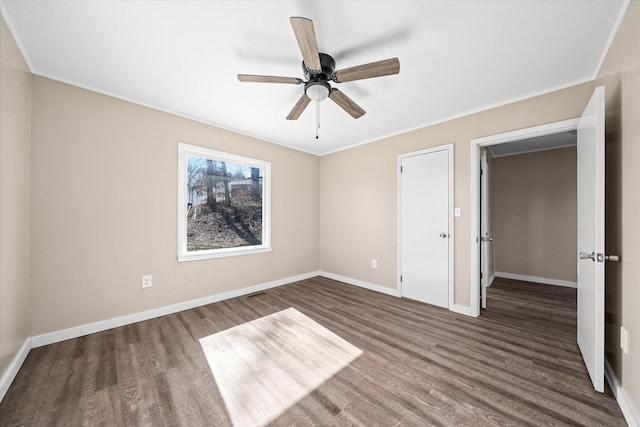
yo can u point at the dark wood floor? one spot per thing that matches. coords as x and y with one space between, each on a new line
518 364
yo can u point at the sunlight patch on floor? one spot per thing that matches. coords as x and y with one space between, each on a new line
263 367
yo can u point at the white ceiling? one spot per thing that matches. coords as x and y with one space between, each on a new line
456 57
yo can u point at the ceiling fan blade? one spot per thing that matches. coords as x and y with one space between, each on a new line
299 107
367 71
306 37
268 79
346 103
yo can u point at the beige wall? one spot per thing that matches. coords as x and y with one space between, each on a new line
103 202
620 74
104 208
14 198
491 217
358 188
535 214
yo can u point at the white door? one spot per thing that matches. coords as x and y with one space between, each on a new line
425 227
485 240
591 237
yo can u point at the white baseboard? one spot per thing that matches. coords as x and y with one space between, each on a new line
103 325
625 404
492 278
371 286
78 331
460 309
14 367
630 414
543 280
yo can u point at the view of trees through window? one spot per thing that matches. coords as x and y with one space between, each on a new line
224 204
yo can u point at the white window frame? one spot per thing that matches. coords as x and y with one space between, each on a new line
186 150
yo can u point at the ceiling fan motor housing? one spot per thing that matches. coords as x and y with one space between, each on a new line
328 66
317 88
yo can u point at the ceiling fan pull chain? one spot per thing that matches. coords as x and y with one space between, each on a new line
317 112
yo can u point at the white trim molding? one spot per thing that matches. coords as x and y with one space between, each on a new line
362 284
103 325
625 404
474 174
536 279
612 37
187 151
14 367
460 309
456 308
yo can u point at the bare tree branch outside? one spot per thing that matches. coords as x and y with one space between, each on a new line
224 204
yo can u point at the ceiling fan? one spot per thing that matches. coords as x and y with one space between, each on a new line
319 70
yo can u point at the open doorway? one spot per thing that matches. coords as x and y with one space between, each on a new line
515 138
590 256
529 211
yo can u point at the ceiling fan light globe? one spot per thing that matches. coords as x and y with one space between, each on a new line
317 92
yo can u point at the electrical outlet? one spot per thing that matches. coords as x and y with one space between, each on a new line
146 281
374 263
624 340
456 212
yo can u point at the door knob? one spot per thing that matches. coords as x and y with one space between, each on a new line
591 256
444 235
599 257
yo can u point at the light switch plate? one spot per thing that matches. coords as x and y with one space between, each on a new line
624 340
456 212
147 281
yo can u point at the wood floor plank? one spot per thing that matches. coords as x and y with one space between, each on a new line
517 364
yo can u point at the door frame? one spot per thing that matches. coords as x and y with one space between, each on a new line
476 144
450 152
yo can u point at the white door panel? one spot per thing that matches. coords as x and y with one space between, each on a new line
591 237
484 228
425 227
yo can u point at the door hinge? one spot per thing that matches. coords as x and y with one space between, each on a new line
481 275
401 278
481 172
401 169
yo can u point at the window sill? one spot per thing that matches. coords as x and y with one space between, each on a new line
223 253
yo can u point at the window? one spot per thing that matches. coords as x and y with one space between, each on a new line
224 204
